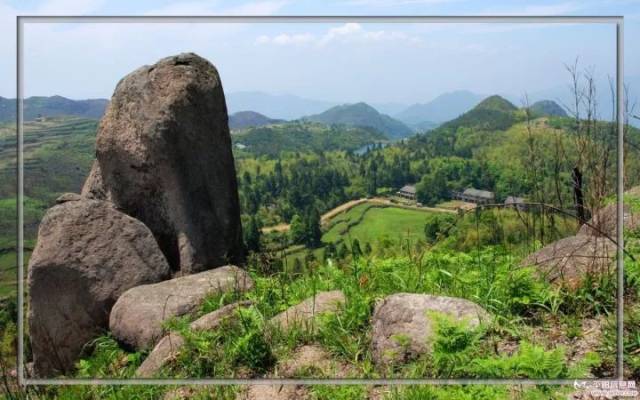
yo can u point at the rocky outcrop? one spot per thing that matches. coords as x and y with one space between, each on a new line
87 254
403 326
93 187
136 318
164 156
169 346
567 261
604 222
302 314
65 197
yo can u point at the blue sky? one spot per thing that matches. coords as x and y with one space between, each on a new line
337 62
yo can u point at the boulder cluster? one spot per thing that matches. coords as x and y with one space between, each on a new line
161 201
566 262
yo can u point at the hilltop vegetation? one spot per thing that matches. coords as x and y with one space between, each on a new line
363 115
492 113
547 108
247 119
54 106
304 136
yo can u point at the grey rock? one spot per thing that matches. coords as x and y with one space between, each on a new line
87 254
164 156
136 318
63 198
169 346
302 314
93 187
403 327
567 261
605 222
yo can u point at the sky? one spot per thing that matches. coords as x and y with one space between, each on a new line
339 62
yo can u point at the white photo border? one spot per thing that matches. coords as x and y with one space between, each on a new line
22 20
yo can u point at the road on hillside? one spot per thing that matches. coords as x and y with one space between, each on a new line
326 217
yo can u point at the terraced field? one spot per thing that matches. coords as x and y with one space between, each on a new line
376 224
58 154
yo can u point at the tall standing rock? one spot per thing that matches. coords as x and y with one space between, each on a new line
88 254
164 157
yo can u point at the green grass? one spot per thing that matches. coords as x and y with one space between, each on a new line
390 223
380 226
373 223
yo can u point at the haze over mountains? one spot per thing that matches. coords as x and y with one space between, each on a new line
258 109
443 108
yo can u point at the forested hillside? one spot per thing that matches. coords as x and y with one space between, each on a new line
54 106
363 115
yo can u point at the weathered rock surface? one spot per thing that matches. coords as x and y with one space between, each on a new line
169 346
274 392
136 318
93 187
302 314
605 222
87 254
568 260
403 327
63 198
164 156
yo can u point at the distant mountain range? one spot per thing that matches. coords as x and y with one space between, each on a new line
443 108
270 108
52 107
363 115
275 106
246 119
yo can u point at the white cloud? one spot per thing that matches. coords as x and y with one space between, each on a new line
348 33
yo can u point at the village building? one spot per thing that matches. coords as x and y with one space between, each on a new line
475 196
408 192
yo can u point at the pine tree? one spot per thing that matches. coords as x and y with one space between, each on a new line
297 230
313 231
252 234
355 249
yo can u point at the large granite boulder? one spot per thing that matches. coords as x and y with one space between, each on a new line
301 315
87 254
169 346
567 261
605 222
164 156
137 317
403 325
